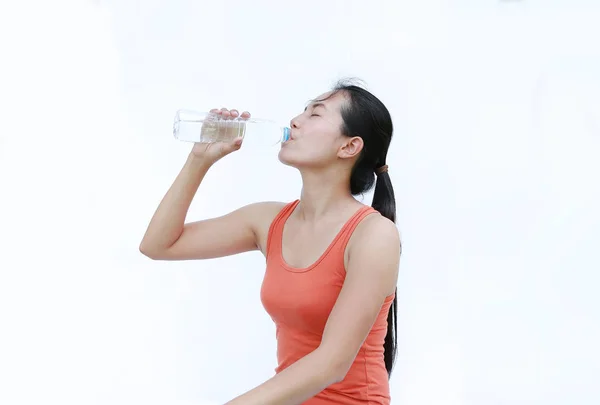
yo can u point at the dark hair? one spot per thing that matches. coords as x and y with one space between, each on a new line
364 115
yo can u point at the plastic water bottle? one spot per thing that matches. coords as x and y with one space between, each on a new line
206 127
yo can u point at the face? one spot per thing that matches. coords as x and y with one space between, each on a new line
316 138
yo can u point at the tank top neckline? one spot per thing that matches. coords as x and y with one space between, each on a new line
335 240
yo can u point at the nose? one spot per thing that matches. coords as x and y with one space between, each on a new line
294 123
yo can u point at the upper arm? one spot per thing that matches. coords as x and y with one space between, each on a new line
371 276
236 232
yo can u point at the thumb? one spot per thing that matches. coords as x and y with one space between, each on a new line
238 141
235 144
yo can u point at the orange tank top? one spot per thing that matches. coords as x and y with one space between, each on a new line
299 302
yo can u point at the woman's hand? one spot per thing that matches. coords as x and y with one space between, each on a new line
217 150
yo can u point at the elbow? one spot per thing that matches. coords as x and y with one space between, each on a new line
339 373
337 366
144 251
149 253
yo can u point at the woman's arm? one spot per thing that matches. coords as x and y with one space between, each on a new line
371 276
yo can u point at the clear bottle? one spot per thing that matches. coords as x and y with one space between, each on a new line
206 127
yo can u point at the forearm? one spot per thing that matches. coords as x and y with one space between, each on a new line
294 385
168 220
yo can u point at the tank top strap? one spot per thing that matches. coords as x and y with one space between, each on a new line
350 226
276 228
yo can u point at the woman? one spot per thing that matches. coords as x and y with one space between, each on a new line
332 262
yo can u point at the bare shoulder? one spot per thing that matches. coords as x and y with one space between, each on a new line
263 211
261 215
263 207
375 236
378 229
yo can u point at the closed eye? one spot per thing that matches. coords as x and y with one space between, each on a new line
314 115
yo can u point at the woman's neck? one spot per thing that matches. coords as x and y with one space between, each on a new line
323 193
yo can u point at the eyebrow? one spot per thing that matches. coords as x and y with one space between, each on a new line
315 105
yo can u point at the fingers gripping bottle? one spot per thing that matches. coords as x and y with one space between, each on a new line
206 127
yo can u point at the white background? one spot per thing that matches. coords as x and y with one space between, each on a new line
494 162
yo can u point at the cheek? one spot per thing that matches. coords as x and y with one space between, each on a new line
321 150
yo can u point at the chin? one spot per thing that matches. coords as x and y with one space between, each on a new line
286 158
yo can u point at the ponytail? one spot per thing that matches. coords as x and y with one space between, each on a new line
385 202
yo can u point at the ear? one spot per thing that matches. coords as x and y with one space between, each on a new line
351 147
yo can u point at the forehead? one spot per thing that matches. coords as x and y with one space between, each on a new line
329 101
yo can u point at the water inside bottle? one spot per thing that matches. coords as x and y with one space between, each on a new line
215 130
195 127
